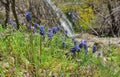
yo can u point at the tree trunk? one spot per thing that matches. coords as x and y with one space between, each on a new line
7 11
14 12
114 28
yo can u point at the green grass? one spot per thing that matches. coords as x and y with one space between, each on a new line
20 56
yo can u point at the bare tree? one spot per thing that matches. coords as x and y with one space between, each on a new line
7 10
108 17
6 4
14 12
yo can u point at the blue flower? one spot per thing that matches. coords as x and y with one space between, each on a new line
94 48
66 32
63 44
54 29
83 44
99 53
28 16
58 28
75 41
36 25
75 48
86 48
14 24
42 30
10 21
29 27
50 34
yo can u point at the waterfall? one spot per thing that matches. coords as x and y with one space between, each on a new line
65 23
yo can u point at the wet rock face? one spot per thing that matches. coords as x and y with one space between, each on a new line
43 12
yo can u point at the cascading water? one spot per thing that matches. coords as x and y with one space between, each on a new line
65 23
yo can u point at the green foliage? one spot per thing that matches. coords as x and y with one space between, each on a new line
19 54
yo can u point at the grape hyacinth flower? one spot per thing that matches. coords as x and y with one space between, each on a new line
54 29
28 16
99 54
36 25
58 28
50 34
75 48
42 30
75 41
65 32
94 48
14 24
10 21
83 44
29 27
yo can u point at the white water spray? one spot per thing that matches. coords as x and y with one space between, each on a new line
65 23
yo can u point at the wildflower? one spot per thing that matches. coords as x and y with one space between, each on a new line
83 44
14 24
75 41
63 44
94 48
54 29
42 30
66 32
50 34
36 25
99 53
10 21
29 27
75 48
58 28
28 16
